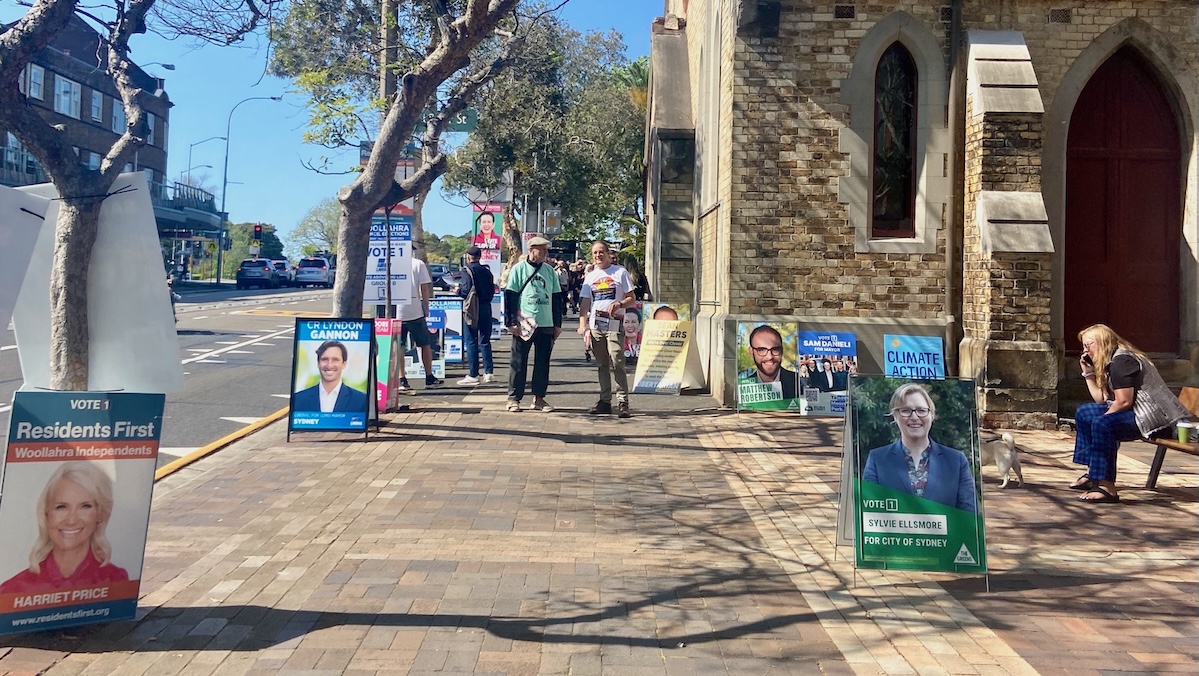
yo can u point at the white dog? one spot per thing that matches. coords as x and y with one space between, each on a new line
1003 453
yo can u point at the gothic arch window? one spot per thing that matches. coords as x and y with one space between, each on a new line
897 96
893 209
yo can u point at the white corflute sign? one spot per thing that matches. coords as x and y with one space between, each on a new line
134 345
21 219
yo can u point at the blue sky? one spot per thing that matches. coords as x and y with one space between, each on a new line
267 180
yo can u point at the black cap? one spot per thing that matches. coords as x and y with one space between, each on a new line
473 251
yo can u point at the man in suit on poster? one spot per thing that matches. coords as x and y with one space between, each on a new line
331 395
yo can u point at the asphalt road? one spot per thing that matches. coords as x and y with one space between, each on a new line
236 352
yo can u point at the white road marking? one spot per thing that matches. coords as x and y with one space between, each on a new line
8 347
211 361
241 351
282 396
176 451
227 342
250 335
201 317
222 350
199 349
265 344
5 407
242 421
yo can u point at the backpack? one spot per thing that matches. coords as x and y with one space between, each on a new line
470 308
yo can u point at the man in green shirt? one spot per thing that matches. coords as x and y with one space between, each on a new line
534 305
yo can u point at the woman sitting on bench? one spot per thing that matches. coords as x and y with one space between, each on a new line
1131 401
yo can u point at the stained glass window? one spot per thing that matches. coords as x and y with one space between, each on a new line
894 191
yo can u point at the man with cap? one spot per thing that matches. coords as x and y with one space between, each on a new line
534 305
477 338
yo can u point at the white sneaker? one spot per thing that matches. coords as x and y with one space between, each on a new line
487 377
469 380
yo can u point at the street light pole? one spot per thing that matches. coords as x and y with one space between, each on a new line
189 152
220 249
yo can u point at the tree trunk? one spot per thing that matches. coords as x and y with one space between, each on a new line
353 243
418 226
74 237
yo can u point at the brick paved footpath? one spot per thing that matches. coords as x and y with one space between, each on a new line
465 539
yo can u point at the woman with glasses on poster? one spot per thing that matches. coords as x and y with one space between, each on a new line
914 463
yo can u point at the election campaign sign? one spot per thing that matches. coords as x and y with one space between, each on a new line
826 362
78 478
332 374
917 493
766 366
445 319
663 359
913 357
401 260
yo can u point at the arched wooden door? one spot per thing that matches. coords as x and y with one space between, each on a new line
1123 212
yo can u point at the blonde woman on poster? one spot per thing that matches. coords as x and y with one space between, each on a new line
914 463
72 547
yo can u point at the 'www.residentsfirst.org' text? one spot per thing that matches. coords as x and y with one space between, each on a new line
54 617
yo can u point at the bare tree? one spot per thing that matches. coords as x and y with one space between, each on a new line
82 190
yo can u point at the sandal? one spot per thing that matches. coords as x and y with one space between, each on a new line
513 405
1083 483
1106 495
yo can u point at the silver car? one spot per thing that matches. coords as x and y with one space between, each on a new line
314 272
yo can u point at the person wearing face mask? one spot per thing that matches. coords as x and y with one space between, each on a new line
914 463
72 548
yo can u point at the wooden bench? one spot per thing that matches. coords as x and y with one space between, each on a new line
1190 399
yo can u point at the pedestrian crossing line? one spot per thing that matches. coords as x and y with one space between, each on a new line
485 398
241 351
211 361
264 312
176 451
242 420
265 344
227 342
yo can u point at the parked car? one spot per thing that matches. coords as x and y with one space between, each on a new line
283 272
438 269
314 271
258 272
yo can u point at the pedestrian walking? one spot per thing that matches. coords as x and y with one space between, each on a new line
533 309
607 293
414 330
477 289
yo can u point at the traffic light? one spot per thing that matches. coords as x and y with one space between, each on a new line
257 233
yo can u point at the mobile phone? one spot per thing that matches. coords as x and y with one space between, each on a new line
1086 359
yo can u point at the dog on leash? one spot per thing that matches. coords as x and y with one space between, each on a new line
1003 453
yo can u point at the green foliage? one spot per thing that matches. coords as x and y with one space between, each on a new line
317 230
447 249
564 120
240 236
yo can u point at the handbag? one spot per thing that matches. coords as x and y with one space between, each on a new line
526 324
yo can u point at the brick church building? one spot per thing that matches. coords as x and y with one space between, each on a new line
1000 173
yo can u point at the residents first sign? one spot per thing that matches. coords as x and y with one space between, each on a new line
78 478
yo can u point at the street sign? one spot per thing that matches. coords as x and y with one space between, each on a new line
255 249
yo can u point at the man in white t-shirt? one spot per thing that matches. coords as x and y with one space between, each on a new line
413 326
607 291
